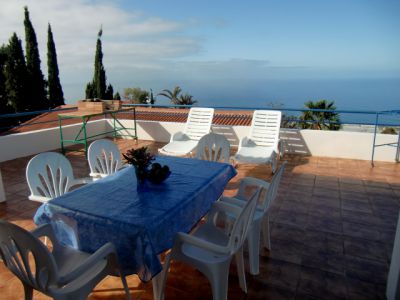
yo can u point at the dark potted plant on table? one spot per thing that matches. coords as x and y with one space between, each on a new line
141 159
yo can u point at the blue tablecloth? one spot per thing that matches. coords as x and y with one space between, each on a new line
140 223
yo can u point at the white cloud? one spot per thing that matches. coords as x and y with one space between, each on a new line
130 38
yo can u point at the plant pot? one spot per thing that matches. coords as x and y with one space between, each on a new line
141 174
113 104
91 107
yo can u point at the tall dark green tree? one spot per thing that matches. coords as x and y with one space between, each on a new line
109 92
15 73
89 92
36 83
55 92
98 87
117 96
3 95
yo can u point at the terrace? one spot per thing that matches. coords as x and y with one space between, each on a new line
333 222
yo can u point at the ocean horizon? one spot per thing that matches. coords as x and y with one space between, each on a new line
359 94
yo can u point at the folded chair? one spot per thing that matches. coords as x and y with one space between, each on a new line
49 175
104 158
197 125
213 147
260 225
261 145
210 250
62 273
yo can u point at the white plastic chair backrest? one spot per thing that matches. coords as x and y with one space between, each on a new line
213 147
265 125
242 223
49 174
198 122
268 191
104 157
273 187
27 257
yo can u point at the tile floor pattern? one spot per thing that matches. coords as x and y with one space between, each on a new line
333 225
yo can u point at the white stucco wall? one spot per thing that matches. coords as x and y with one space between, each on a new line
27 143
342 144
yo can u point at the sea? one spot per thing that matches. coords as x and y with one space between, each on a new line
354 94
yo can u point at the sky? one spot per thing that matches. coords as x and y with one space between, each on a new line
161 44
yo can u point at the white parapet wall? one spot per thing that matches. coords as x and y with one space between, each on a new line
340 144
28 143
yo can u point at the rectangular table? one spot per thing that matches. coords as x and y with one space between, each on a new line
141 223
82 137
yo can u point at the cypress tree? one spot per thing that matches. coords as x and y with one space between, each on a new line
117 96
15 72
3 96
36 83
90 91
99 72
98 88
109 92
56 95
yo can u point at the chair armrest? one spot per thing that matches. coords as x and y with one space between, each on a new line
255 181
224 208
233 201
102 253
44 230
238 202
186 238
41 199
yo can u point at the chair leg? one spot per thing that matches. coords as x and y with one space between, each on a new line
126 288
28 292
240 269
265 233
253 239
218 277
162 281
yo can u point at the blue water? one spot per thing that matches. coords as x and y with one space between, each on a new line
348 94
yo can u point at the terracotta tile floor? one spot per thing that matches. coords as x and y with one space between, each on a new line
333 225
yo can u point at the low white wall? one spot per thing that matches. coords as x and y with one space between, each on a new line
27 143
341 144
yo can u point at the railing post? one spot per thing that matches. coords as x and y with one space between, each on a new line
2 192
398 148
373 146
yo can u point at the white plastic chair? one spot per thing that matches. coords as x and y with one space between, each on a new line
260 222
64 273
261 146
197 125
104 158
50 175
213 147
210 250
